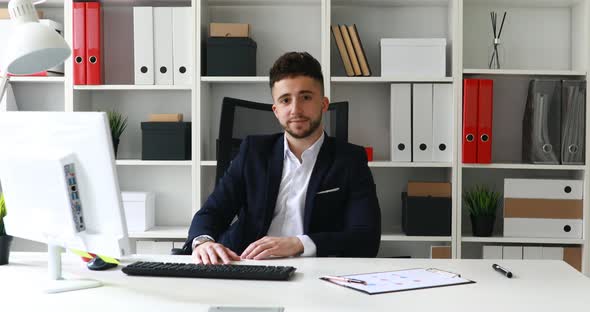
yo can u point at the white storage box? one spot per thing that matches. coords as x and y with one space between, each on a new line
413 57
139 210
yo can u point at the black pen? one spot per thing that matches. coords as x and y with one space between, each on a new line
502 270
343 279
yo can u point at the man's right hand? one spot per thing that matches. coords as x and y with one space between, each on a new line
213 253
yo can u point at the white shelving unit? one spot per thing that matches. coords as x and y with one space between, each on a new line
541 38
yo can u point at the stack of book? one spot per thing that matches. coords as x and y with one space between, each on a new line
351 50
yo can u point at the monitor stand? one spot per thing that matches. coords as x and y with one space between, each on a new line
57 283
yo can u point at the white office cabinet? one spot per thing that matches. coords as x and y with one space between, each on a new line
163 44
422 122
543 188
182 41
153 247
532 252
512 252
492 252
552 253
442 122
143 45
401 122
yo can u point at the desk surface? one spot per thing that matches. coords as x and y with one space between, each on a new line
538 286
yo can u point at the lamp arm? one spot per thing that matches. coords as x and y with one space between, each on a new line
3 85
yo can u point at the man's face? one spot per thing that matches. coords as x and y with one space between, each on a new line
298 105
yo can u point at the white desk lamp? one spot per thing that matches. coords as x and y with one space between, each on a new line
32 47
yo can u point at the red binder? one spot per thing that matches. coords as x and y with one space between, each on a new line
484 121
93 51
470 95
79 43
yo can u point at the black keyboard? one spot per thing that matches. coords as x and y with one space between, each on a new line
227 271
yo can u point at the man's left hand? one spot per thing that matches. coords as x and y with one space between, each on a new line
267 247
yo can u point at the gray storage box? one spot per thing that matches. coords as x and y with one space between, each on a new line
231 57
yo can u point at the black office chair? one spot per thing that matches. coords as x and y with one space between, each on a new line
240 118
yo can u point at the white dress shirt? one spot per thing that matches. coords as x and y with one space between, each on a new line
288 215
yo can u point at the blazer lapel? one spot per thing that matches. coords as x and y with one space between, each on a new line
273 182
320 168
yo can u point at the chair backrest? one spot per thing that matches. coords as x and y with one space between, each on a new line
240 118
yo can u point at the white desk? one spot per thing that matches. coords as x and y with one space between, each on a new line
538 286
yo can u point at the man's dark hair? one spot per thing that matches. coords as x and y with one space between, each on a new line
293 64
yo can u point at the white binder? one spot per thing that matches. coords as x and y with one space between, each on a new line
401 122
422 122
163 46
181 29
442 122
543 188
540 227
143 45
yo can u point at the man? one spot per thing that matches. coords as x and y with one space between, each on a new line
297 193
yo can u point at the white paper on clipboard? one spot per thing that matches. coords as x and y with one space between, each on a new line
403 280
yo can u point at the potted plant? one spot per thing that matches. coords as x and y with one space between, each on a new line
5 240
117 123
482 204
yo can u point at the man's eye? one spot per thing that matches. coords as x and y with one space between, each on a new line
285 101
307 97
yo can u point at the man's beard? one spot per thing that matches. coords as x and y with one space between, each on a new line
313 125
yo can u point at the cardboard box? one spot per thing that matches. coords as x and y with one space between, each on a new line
139 210
165 117
5 15
543 208
229 30
440 252
573 256
434 189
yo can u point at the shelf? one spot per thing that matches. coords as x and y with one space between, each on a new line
390 2
235 79
38 79
394 164
525 3
261 2
372 164
523 72
524 166
523 240
133 87
137 162
390 79
404 238
164 232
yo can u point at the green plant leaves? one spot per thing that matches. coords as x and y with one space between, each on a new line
2 214
118 123
481 201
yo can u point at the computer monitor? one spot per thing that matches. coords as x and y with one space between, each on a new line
58 175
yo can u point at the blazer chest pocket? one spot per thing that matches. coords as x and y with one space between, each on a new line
329 201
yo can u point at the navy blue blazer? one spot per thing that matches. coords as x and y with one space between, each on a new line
344 223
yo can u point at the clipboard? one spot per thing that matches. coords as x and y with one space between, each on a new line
402 280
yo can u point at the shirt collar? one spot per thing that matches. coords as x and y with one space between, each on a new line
314 149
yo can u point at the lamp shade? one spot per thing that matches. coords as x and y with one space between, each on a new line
32 46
